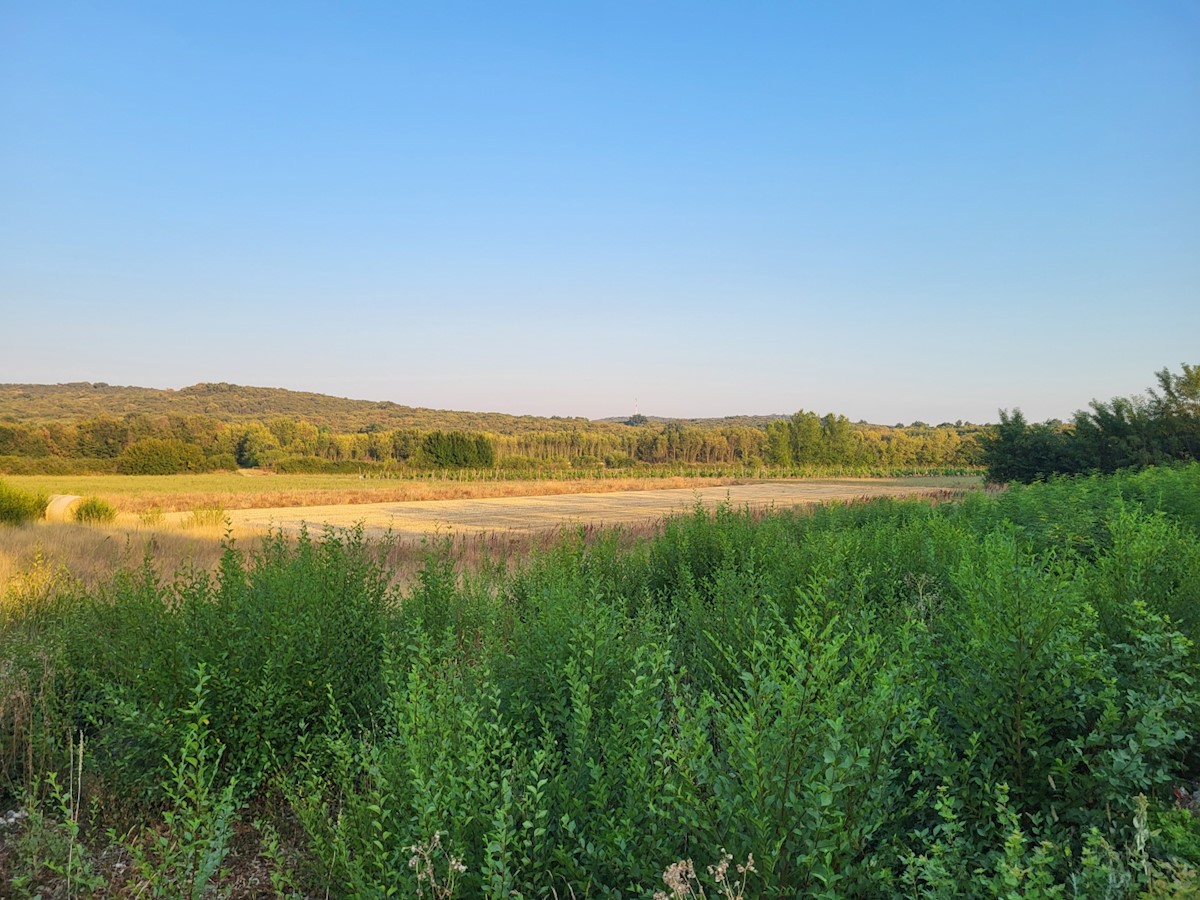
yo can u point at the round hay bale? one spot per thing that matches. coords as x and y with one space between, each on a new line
61 506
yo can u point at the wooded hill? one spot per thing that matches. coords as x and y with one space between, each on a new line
44 403
56 429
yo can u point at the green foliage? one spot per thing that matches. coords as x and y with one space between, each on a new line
94 511
875 699
221 462
67 429
1123 433
304 464
18 507
160 456
255 446
185 857
458 449
49 848
1018 451
322 606
56 465
778 448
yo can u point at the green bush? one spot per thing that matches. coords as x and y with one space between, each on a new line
458 449
288 637
158 456
94 511
257 446
56 465
986 698
18 507
221 462
301 465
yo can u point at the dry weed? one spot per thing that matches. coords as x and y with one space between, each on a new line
36 561
680 879
429 860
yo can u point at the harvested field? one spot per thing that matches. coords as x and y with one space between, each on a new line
543 513
253 489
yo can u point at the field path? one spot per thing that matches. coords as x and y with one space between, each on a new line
530 514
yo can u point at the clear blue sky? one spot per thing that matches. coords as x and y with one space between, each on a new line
894 211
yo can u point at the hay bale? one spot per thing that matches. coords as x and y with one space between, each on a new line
61 506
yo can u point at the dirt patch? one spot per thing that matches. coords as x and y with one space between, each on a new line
543 513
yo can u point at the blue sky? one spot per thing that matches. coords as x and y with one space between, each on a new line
894 211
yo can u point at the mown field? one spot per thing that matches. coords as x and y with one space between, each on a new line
262 489
996 696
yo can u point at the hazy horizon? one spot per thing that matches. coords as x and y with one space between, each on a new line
650 414
895 213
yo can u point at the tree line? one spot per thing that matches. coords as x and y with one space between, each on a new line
1158 427
160 444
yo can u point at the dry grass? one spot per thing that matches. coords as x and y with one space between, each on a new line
515 515
36 562
185 493
90 555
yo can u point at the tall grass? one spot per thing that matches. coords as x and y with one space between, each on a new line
18 507
94 511
990 697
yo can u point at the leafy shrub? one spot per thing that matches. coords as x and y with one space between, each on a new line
315 464
256 446
221 462
94 511
56 465
18 507
301 465
458 449
189 853
320 603
159 456
49 848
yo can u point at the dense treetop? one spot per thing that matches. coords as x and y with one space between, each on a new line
1158 427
